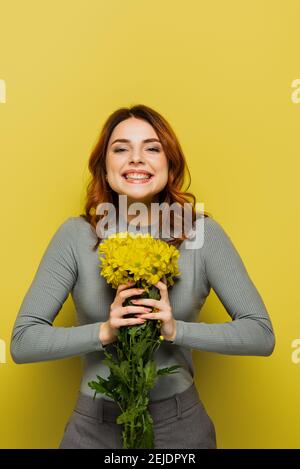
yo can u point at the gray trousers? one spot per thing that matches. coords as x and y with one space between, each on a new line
178 422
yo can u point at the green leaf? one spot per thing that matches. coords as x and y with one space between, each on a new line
121 371
168 370
98 387
147 439
150 373
125 417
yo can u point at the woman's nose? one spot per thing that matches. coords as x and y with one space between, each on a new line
136 156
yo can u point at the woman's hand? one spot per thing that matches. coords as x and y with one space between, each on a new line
109 329
163 311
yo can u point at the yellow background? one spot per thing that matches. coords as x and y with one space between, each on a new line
221 73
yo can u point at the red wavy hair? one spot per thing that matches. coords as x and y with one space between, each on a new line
98 189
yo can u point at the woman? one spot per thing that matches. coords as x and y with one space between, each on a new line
132 141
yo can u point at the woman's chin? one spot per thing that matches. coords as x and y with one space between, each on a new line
137 192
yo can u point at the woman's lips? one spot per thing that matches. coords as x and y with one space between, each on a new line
138 181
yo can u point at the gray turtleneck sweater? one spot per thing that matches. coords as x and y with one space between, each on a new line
69 266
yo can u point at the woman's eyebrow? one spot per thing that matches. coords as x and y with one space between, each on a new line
125 140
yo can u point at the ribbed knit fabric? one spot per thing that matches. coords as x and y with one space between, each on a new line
69 266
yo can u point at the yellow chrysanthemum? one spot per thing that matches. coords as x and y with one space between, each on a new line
130 256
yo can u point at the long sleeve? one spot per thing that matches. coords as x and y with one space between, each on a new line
250 331
34 338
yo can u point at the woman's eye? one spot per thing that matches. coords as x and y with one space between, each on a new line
117 150
155 149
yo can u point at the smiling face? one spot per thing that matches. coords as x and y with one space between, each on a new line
137 165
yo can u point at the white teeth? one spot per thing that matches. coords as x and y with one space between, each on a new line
137 176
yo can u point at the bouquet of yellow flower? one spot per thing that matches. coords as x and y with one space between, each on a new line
128 257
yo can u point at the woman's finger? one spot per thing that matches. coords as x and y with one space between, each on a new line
123 286
156 316
134 321
130 292
134 310
163 290
147 301
124 292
